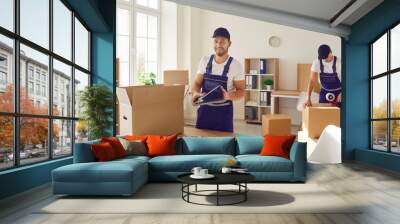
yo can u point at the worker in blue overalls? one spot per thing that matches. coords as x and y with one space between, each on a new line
326 70
219 69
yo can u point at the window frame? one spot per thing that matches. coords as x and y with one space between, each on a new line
16 114
388 74
133 9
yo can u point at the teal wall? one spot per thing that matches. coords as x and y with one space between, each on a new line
24 178
103 64
356 103
100 17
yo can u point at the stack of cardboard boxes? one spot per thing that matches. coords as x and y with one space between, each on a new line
315 119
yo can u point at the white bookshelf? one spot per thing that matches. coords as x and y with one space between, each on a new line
253 100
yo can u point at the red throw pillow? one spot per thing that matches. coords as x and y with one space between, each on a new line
277 145
103 152
136 137
161 145
116 145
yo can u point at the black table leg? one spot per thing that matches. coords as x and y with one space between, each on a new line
217 194
245 193
196 187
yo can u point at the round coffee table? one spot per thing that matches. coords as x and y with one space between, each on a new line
238 179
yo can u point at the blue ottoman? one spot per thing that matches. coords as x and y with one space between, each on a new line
118 177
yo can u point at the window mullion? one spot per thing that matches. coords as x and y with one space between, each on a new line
73 82
389 101
50 81
16 84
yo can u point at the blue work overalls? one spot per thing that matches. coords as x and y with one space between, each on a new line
215 116
330 84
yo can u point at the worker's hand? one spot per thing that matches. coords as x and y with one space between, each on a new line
308 102
195 97
226 94
339 98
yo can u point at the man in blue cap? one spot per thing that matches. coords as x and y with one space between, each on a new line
218 70
326 70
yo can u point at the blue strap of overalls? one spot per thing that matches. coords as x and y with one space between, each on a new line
226 68
321 65
334 64
209 65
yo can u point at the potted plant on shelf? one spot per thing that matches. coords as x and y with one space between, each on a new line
96 104
148 79
268 83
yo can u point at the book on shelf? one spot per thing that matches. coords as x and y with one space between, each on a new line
263 66
254 82
247 82
263 99
251 82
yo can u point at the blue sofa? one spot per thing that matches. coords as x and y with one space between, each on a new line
125 176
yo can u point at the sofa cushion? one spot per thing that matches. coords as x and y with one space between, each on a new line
116 145
249 144
275 145
159 145
185 163
134 147
207 145
112 171
257 163
103 152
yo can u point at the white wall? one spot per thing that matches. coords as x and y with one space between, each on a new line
169 35
249 39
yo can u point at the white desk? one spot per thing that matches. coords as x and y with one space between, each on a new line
293 94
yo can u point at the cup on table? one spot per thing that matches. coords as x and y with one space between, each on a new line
203 172
196 171
226 170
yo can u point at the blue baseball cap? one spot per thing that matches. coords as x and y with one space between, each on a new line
323 51
221 32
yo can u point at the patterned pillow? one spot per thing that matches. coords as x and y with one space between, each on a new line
136 147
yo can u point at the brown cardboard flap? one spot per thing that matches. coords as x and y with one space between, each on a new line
151 95
176 77
156 110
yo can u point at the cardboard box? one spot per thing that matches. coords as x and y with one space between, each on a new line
176 77
276 124
315 119
154 109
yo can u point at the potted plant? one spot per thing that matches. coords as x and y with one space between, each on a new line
96 104
268 83
147 79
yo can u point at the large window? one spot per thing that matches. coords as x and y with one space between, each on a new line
40 80
138 39
385 94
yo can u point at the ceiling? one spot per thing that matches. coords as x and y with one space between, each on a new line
325 16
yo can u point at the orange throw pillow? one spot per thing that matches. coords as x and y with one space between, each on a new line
116 145
136 137
161 145
277 145
103 151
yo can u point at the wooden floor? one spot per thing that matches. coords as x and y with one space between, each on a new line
378 189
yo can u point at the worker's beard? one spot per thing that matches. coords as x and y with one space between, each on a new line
221 53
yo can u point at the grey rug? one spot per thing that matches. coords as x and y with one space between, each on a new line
166 198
